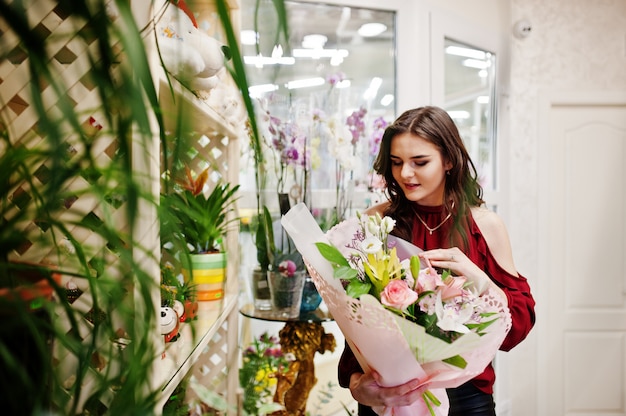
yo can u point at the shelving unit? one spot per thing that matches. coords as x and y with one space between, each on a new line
207 347
205 337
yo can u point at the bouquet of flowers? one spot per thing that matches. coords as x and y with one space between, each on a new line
437 327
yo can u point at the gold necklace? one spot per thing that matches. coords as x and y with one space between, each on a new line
431 230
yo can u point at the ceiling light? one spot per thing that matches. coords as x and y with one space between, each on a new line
372 29
314 41
320 53
372 90
459 114
466 52
249 37
474 63
256 91
305 83
483 99
261 60
336 60
386 100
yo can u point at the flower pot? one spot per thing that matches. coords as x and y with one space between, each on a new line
207 273
261 290
286 292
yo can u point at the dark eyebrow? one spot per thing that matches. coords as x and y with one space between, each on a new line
412 157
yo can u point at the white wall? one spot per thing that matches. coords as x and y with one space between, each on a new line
575 45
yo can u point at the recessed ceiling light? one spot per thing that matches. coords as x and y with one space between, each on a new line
304 83
386 100
257 91
475 63
249 37
372 29
466 52
314 41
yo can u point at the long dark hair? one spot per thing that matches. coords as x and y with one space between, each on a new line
462 190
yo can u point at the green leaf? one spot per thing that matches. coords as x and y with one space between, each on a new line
456 361
356 288
480 328
332 254
345 273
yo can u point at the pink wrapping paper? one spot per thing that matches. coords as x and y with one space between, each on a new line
399 350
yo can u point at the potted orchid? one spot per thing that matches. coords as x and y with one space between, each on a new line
285 271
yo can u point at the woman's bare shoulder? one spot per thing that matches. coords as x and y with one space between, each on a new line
380 209
496 235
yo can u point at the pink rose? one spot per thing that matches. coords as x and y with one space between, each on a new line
397 294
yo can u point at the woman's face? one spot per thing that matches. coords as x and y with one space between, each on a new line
417 166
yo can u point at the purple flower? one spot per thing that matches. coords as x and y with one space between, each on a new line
335 79
378 129
356 124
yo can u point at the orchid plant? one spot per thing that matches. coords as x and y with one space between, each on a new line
288 145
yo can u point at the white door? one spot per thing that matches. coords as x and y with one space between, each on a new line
582 346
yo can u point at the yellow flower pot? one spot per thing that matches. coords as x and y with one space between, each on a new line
208 274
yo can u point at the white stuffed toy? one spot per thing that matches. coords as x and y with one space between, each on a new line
189 54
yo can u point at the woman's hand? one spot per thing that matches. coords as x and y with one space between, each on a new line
365 389
457 262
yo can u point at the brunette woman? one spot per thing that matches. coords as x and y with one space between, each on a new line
436 200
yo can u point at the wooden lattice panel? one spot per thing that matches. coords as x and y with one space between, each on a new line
217 367
70 62
80 210
208 138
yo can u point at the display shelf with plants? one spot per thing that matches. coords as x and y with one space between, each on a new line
83 110
203 118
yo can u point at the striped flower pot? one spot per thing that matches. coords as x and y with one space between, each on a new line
208 274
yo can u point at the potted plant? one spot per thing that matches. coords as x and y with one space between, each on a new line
50 164
69 196
195 224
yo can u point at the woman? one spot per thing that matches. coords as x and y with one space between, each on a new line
437 203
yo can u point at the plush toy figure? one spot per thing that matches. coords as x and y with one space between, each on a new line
169 324
189 54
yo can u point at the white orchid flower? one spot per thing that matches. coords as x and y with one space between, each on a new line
450 317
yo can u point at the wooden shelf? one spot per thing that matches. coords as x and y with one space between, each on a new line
177 101
179 356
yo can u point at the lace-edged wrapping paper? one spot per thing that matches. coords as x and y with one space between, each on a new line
399 350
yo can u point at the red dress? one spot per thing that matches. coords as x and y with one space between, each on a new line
520 301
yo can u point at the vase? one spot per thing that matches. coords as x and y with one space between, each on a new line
286 292
311 298
207 273
261 290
